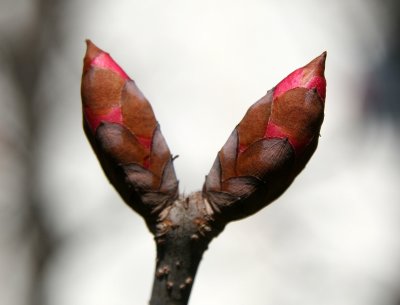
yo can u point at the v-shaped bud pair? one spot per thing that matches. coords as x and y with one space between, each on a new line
261 158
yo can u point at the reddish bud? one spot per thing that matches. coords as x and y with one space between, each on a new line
270 146
123 131
310 76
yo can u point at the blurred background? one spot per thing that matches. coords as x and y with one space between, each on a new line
67 238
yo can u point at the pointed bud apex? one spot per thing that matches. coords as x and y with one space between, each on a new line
96 57
270 146
310 76
120 124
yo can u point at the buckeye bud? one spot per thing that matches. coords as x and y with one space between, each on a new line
270 146
123 131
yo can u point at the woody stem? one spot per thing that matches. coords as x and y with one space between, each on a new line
182 237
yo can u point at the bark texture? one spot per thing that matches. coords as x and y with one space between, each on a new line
183 234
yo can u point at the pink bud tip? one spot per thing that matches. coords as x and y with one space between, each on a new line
310 76
98 58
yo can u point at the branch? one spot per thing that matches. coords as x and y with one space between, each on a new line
262 157
182 237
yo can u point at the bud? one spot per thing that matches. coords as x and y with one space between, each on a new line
123 131
270 146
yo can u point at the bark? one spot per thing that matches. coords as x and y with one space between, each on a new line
26 54
182 235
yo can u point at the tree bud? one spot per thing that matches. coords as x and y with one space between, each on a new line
270 146
123 131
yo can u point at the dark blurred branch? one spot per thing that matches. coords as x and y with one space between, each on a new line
26 54
381 100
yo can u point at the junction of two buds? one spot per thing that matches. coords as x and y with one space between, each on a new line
261 158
